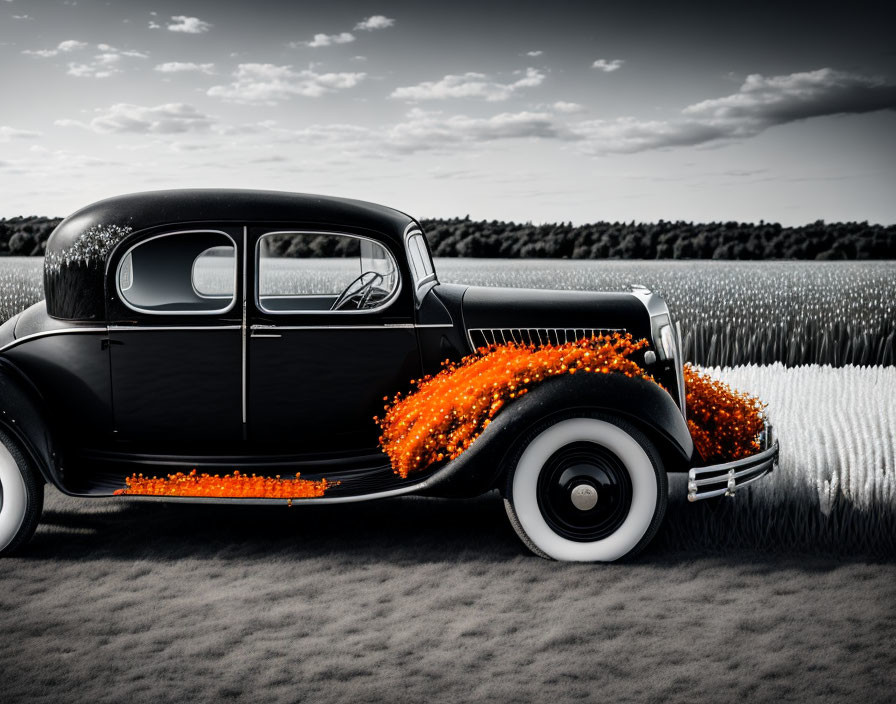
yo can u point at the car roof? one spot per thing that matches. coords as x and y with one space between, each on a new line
138 211
79 246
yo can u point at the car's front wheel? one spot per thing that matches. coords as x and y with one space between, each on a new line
21 497
587 488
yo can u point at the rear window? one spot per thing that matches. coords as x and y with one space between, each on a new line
182 272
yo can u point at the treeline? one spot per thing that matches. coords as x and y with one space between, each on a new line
462 237
25 236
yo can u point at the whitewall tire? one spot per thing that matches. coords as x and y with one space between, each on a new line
21 497
586 489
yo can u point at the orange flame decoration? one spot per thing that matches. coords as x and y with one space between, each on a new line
447 412
724 423
234 485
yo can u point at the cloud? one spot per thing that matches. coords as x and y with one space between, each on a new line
22 17
533 54
630 135
608 66
563 106
468 85
327 40
154 25
269 84
94 70
187 25
418 131
424 130
185 67
104 64
762 102
374 22
125 118
8 134
71 45
65 47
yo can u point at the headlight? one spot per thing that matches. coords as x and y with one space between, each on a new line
666 337
667 342
670 348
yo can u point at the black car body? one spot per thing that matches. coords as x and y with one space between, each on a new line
184 330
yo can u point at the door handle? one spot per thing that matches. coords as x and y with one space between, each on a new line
266 334
106 343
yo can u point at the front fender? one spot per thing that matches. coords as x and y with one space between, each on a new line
21 416
643 403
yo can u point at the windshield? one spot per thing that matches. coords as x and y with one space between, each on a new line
375 258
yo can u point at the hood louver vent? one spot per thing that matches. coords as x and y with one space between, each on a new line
484 337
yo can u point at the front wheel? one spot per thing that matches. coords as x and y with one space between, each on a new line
588 489
21 497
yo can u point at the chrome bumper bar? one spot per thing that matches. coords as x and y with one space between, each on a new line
725 479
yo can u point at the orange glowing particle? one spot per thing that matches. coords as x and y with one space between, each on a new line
231 486
477 387
724 423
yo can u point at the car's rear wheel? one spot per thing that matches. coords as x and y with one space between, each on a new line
21 497
589 489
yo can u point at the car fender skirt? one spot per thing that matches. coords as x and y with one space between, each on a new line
639 401
21 417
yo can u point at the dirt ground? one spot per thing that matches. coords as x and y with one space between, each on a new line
415 600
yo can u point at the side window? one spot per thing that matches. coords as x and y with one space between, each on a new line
179 273
314 272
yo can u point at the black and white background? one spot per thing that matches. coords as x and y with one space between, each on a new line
563 112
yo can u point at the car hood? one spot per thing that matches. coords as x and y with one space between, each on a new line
486 307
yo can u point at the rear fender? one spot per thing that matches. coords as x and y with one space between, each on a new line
22 417
643 403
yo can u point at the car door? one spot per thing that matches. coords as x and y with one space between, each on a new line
175 320
319 367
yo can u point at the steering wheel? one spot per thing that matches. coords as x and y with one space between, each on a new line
358 286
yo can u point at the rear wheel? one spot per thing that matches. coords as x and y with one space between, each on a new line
587 489
21 497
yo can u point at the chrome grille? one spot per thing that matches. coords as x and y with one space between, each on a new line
484 337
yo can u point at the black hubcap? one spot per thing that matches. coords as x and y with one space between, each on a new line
567 486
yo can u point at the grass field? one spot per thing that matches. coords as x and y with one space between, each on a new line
414 600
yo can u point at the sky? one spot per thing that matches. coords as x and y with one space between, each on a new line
525 111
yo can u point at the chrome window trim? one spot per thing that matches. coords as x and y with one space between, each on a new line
162 328
244 338
174 312
380 308
382 326
49 333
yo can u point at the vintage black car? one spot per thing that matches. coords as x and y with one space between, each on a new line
259 332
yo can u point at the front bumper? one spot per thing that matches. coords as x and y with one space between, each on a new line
724 479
